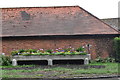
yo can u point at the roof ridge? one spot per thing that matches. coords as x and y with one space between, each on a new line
41 7
109 18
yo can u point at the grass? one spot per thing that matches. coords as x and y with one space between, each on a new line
16 66
60 72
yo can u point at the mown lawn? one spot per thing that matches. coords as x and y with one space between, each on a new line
60 72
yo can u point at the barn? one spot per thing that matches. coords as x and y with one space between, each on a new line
54 27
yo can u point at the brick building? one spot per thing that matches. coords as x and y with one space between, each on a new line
53 27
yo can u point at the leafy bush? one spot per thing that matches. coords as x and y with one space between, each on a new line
80 49
103 60
109 59
117 48
5 60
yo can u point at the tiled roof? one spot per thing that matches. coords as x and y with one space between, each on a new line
40 21
113 22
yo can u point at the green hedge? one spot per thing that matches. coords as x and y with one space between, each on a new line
117 48
5 60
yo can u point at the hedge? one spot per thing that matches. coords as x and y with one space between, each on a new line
117 48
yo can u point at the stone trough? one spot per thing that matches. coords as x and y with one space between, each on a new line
50 58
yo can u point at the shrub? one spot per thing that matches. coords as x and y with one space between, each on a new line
5 60
109 59
117 48
99 59
103 60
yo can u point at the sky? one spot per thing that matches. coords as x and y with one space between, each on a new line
99 8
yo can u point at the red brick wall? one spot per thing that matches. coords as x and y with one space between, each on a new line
101 45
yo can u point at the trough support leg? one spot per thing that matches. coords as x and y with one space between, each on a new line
14 62
50 62
86 61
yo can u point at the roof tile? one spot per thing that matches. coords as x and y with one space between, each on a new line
39 21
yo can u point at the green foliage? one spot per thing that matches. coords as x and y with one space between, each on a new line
80 49
59 51
83 53
99 59
67 49
117 48
21 51
104 60
5 60
46 53
37 53
26 54
73 53
14 53
67 53
49 50
31 50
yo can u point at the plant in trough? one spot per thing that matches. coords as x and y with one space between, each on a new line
14 53
58 51
83 53
80 49
21 51
49 50
31 50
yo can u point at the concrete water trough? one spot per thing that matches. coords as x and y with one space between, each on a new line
50 58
